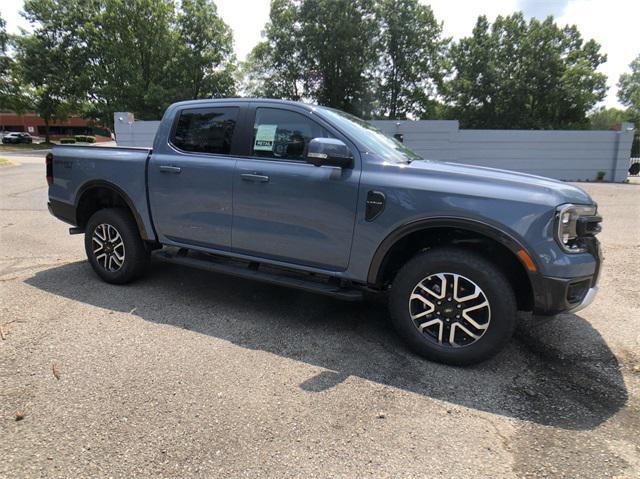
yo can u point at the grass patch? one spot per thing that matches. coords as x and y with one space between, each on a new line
5 162
25 147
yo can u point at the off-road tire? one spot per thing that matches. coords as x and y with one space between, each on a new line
467 265
135 254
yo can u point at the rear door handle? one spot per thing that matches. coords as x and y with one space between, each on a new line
170 169
255 177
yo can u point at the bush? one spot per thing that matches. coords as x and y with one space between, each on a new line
64 141
86 138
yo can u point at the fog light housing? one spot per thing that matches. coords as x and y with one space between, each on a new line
577 291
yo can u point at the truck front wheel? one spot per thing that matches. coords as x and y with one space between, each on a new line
114 247
453 306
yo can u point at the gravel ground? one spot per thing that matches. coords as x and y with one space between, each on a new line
191 374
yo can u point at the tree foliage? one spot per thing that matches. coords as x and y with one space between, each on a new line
205 52
11 95
607 118
411 60
147 55
337 70
515 74
273 68
100 56
51 60
131 44
375 58
296 60
629 90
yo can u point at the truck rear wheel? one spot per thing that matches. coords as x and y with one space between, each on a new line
114 247
453 306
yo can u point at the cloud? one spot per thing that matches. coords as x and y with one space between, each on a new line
541 9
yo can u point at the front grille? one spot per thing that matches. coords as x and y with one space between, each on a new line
588 226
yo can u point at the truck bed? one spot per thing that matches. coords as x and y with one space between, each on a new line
78 168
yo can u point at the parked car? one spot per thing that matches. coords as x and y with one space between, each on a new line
17 137
313 198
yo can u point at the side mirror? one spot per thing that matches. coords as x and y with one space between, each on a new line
329 152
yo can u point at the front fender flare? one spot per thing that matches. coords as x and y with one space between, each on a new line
374 276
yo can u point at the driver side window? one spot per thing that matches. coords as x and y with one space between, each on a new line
283 134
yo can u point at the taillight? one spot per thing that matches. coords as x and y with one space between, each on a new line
49 162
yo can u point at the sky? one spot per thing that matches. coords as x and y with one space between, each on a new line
613 24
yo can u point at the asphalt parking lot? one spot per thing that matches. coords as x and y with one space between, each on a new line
191 374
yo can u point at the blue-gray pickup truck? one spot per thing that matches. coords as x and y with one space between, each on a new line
313 198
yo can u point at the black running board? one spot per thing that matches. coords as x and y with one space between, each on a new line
253 271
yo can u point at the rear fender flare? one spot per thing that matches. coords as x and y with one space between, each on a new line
120 192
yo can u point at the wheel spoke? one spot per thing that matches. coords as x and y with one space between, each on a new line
431 323
116 260
99 243
452 334
443 287
424 301
99 233
456 284
465 315
103 257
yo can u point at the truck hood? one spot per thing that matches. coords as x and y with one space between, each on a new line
555 192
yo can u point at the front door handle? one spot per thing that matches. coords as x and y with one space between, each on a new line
255 177
170 169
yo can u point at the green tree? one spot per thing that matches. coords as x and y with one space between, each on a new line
5 67
273 68
311 51
147 54
4 37
338 52
131 43
51 60
204 60
411 63
515 74
257 76
607 118
11 95
100 56
629 90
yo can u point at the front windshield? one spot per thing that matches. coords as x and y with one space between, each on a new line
374 140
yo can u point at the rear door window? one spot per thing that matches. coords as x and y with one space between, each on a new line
283 134
206 130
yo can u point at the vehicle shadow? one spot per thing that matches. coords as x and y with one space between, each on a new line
557 372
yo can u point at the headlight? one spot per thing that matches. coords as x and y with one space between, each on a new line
569 226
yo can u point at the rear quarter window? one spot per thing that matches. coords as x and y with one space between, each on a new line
205 130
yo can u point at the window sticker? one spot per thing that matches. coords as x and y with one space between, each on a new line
265 138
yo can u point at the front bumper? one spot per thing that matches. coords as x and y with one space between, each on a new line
560 295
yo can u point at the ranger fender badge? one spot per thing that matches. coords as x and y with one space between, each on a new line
375 205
